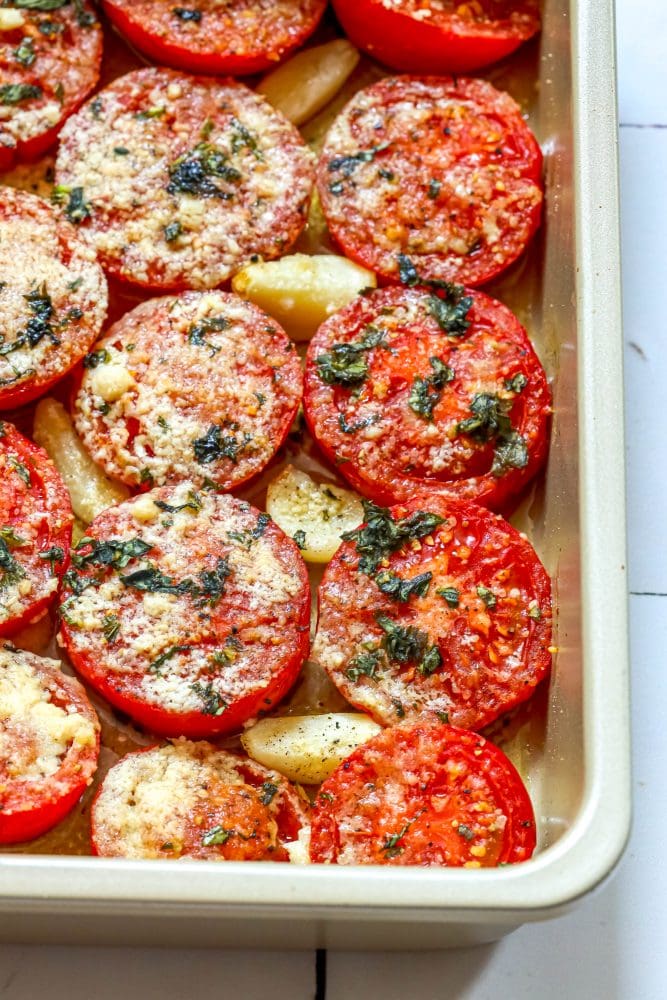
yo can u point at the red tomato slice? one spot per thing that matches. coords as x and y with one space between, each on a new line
204 386
437 175
49 743
425 794
181 179
438 608
53 297
237 37
410 390
188 611
438 36
192 800
49 63
35 530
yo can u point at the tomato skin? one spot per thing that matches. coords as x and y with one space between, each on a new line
47 497
165 49
32 807
70 56
167 667
493 641
235 797
494 348
397 138
244 191
399 800
42 253
246 366
432 45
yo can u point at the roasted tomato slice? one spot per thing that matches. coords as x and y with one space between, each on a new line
424 794
50 57
417 390
434 608
187 610
35 530
192 800
432 178
49 742
438 36
53 297
204 386
237 37
180 180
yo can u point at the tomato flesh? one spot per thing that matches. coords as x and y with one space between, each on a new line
35 530
425 794
219 807
188 610
436 174
42 775
239 38
212 386
49 62
435 608
453 38
450 398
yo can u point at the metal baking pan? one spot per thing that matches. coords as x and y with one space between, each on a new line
573 743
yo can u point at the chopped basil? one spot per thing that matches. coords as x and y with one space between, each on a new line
465 832
269 791
154 667
151 580
487 596
172 231
491 420
213 703
193 503
450 594
215 445
407 271
192 173
345 364
300 538
348 164
25 54
402 590
434 188
426 393
187 14
443 717
517 383
78 209
17 93
110 627
54 555
210 324
109 553
535 613
242 138
11 571
407 644
364 665
21 470
358 425
216 837
9 536
38 326
390 846
95 358
381 535
451 311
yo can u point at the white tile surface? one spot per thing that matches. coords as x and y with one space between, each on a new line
613 946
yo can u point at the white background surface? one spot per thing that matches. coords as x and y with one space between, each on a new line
614 945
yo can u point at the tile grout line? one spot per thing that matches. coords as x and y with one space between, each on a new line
647 593
656 125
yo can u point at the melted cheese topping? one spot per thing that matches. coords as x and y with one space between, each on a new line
208 665
415 167
61 59
47 272
34 732
158 217
233 29
160 803
171 370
